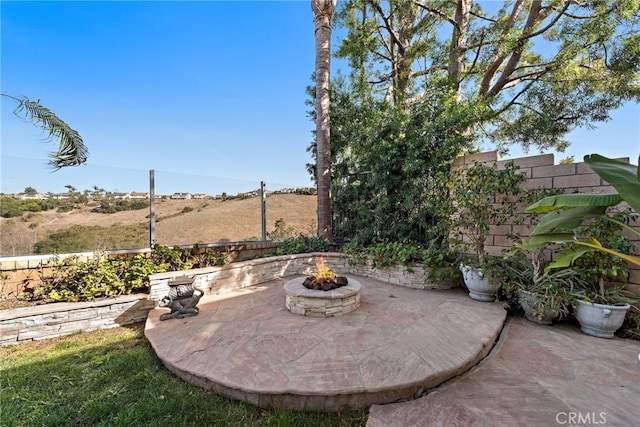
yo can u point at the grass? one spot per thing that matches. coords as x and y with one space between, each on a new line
113 378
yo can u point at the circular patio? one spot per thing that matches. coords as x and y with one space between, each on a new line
399 343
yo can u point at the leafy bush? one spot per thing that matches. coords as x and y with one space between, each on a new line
438 259
98 277
12 207
300 244
281 231
102 276
388 253
599 267
177 258
111 205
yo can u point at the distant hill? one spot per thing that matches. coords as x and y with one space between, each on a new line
178 222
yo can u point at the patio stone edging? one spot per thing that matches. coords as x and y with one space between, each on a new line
52 320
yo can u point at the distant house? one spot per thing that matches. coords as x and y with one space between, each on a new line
199 196
139 196
181 196
121 196
30 196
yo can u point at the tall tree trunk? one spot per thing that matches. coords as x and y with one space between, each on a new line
322 14
458 44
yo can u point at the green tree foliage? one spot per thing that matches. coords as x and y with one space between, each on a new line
430 80
542 67
391 164
12 207
111 205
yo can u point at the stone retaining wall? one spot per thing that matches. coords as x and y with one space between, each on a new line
52 320
215 280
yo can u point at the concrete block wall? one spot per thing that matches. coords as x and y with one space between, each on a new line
540 171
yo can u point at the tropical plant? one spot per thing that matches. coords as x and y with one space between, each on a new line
567 212
554 292
599 268
71 150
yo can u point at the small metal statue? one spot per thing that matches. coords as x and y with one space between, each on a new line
182 299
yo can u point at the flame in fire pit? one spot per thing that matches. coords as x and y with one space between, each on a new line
324 279
324 273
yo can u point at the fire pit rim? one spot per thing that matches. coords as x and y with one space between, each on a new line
295 287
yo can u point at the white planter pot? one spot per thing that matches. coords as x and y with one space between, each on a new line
478 284
600 320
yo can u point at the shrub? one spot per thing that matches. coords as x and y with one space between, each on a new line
281 231
438 259
98 277
177 258
103 276
300 244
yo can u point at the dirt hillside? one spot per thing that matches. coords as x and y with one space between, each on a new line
177 221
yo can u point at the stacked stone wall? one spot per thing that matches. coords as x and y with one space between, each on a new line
52 320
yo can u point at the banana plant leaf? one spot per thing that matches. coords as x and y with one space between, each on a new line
539 241
569 201
567 219
578 248
624 177
568 211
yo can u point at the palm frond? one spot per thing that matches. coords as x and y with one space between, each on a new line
71 149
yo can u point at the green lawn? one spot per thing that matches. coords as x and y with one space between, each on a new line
113 378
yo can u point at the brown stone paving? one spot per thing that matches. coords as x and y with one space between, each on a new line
398 343
535 376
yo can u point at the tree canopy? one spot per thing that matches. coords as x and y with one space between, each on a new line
430 80
543 68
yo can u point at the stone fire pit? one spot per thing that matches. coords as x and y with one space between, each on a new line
318 303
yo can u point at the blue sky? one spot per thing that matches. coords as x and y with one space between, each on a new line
209 94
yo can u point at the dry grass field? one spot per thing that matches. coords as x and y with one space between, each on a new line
178 222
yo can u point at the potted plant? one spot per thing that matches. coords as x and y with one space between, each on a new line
601 306
543 297
562 224
482 196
